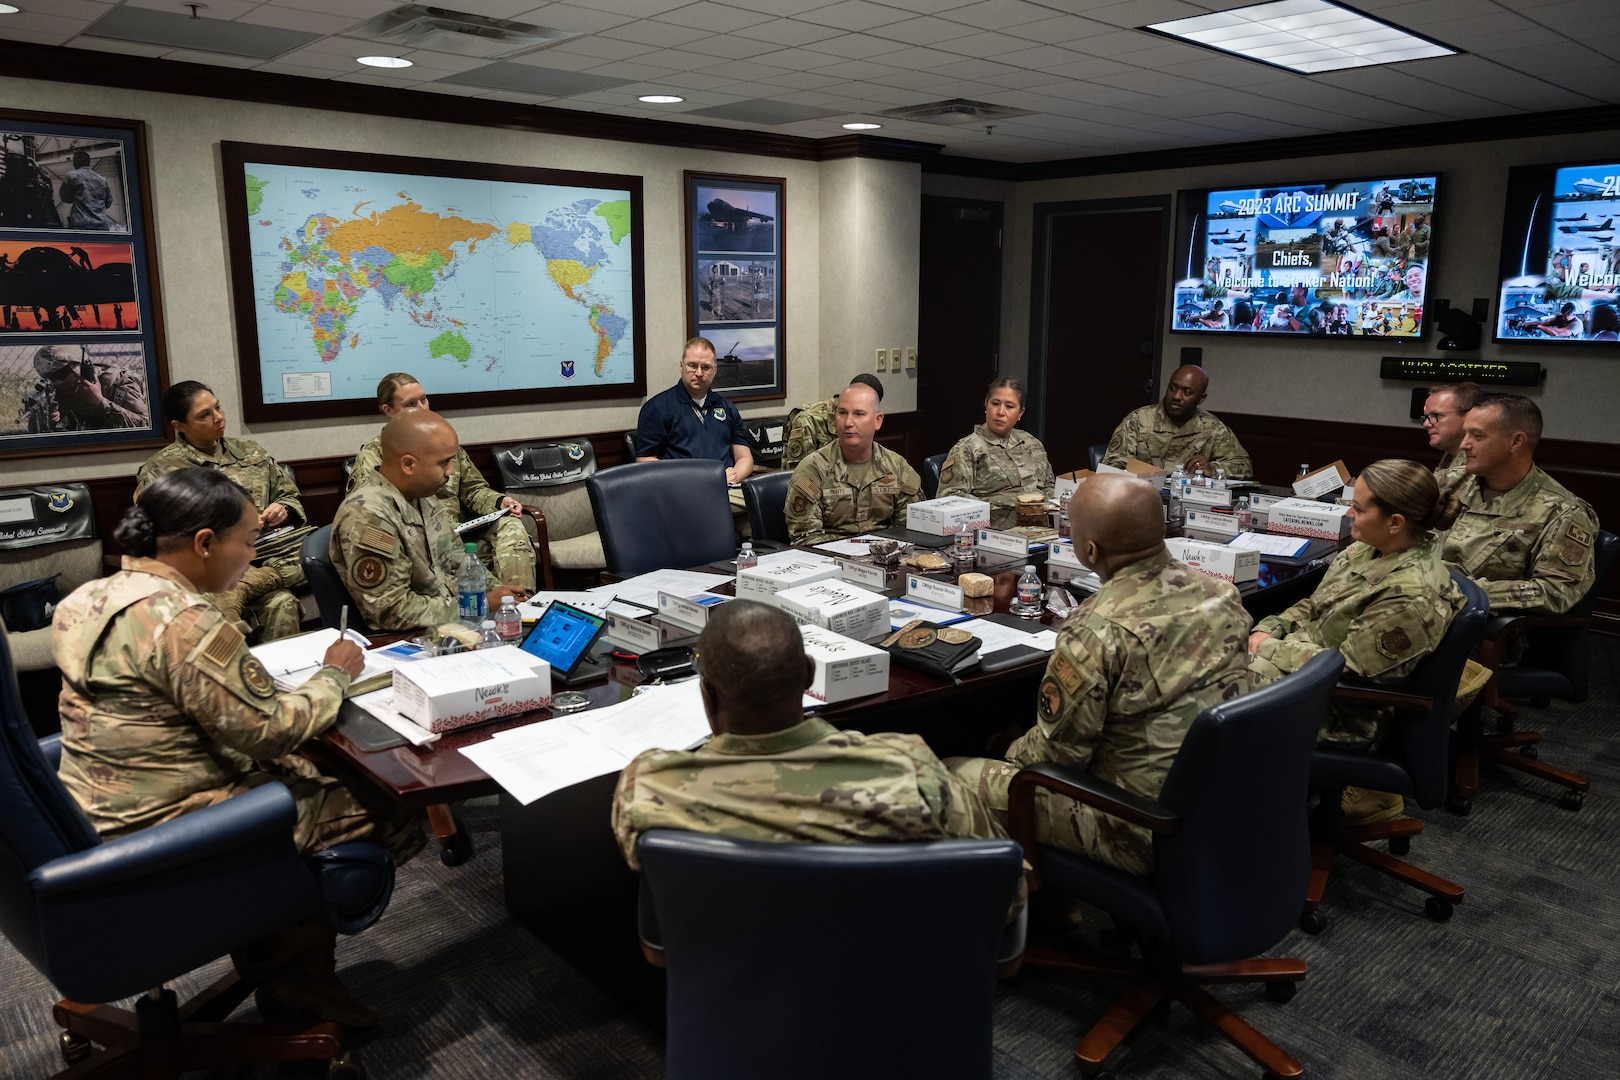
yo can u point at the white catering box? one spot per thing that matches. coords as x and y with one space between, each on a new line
1212 525
762 583
948 516
1328 480
1306 517
443 693
1216 560
838 606
845 668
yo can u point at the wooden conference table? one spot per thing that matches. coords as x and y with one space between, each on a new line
564 876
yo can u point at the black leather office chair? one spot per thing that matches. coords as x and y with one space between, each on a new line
765 498
331 595
348 468
106 921
658 514
930 473
1554 665
821 960
1097 450
1413 762
629 446
1231 851
549 479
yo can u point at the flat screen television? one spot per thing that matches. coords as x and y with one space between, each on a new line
1331 258
1560 268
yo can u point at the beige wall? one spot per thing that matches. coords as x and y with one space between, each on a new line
881 222
1339 381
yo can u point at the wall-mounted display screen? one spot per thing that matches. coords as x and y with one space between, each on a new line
1560 267
1334 258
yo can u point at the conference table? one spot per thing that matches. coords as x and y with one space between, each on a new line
564 876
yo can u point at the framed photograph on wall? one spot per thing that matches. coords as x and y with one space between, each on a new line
82 361
493 284
735 248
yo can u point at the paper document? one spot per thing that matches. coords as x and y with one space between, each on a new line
1045 640
539 759
903 611
293 661
795 555
380 704
853 545
664 718
643 589
1266 544
997 637
535 606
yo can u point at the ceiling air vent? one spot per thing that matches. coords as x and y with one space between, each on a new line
416 26
955 111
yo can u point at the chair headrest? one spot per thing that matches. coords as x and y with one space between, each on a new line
46 514
545 464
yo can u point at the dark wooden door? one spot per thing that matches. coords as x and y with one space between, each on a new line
959 318
1098 318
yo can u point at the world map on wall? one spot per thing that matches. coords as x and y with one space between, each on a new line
471 285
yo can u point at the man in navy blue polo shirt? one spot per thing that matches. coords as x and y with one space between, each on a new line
691 421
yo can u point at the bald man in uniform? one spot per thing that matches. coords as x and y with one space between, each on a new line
392 542
1177 432
1133 667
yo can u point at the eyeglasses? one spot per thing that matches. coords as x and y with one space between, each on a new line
702 369
1436 417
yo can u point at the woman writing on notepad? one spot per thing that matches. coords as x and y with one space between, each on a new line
998 461
165 711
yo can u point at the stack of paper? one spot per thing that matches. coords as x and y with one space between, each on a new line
638 596
292 662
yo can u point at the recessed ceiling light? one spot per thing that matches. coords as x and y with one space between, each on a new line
1303 35
862 125
383 61
9 9
660 99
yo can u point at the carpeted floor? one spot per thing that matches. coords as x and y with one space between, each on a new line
1522 984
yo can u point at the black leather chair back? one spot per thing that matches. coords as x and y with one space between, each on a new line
821 960
768 438
1231 877
1422 745
930 473
315 555
658 514
765 498
629 446
1097 450
348 467
544 464
1554 663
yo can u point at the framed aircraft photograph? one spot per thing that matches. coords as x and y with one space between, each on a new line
82 362
735 258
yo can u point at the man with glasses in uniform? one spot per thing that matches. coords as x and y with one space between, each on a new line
689 420
1443 413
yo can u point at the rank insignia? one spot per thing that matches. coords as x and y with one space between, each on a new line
255 677
1394 642
369 572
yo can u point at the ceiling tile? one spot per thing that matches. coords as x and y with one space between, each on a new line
999 14
788 32
225 9
359 9
288 19
640 9
984 43
923 31
648 32
716 18
855 15
1062 29
853 46
858 69
581 20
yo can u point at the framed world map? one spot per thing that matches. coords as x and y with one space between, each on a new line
492 284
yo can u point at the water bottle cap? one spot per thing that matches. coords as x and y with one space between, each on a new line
747 546
470 548
487 624
1030 569
509 602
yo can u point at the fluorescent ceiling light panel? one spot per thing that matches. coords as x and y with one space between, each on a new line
1303 35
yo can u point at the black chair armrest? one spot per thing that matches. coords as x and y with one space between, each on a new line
1499 626
1082 787
183 844
1383 697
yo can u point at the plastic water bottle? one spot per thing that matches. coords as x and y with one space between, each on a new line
1244 515
1027 601
1220 476
1198 479
509 622
490 638
471 583
1304 471
1063 515
1177 516
962 546
1177 476
746 557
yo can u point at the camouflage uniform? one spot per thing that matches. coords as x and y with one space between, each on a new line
265 600
1134 666
504 546
1529 548
164 711
996 469
1383 613
124 404
810 783
1148 435
811 428
398 557
1451 471
823 502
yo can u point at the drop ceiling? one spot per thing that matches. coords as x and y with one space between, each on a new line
1085 81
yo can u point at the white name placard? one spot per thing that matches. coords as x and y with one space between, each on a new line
863 574
634 634
937 593
1003 543
687 612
